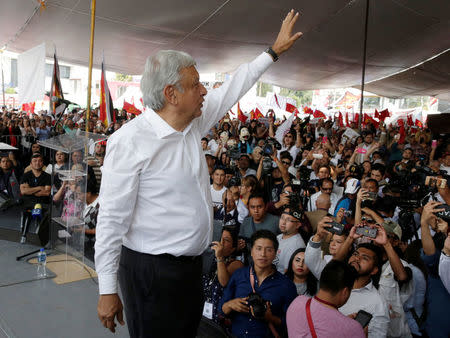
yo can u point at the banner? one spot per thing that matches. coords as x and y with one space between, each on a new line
31 74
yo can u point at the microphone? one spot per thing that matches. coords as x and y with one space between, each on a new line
36 216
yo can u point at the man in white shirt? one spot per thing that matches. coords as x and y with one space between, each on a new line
217 188
326 187
364 295
289 240
155 200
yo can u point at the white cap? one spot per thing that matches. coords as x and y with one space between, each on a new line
352 185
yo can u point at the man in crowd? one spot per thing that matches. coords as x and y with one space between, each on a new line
9 179
217 188
289 240
243 166
326 187
163 213
35 184
276 290
258 219
323 205
322 314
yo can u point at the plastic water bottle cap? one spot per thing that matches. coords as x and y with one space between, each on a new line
42 249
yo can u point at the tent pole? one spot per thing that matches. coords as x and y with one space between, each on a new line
361 105
91 53
3 80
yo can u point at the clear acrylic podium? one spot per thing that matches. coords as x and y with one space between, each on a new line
69 185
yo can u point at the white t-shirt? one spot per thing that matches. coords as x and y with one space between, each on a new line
217 196
285 249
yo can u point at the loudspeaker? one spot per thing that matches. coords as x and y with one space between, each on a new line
439 123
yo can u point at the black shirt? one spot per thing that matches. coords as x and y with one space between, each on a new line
43 180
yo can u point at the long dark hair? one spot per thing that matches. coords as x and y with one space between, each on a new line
311 281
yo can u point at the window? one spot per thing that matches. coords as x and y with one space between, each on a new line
64 71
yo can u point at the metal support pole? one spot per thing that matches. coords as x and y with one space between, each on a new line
3 80
364 65
91 54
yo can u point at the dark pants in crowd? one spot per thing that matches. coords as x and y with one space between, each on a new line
162 294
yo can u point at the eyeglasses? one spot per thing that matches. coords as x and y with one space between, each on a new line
288 220
326 189
368 220
286 162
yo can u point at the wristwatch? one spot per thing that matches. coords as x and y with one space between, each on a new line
272 54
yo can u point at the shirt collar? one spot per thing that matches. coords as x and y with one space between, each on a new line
161 127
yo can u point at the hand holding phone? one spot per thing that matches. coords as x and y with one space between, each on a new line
363 318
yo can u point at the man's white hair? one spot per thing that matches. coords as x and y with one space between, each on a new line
163 69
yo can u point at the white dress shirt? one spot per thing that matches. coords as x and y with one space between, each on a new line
444 270
334 199
313 258
368 299
155 193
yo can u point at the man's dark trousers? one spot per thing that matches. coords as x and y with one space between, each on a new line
163 294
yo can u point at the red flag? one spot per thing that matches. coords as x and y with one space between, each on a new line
347 124
383 114
29 107
356 120
402 132
241 115
318 114
290 108
377 115
130 108
308 110
409 120
258 113
106 105
341 120
419 124
276 100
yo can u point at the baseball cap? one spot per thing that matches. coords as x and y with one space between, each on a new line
352 185
392 227
209 153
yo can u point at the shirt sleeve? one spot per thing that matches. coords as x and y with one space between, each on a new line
444 270
118 191
218 101
285 126
229 291
378 326
313 259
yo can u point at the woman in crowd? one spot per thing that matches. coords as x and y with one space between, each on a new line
299 273
248 186
220 273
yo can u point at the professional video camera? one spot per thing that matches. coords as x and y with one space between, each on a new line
268 149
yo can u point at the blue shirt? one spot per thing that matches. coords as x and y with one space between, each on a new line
345 203
277 288
437 323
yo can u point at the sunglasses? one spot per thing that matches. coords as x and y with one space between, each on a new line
286 162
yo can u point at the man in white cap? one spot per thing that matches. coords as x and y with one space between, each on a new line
347 202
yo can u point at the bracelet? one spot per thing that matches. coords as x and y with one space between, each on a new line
221 260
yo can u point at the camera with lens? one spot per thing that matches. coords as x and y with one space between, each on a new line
234 182
258 305
233 152
270 145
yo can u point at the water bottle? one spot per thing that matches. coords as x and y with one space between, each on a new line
42 260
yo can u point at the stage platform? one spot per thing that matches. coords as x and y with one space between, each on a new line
41 308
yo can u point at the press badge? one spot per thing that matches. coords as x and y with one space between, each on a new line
208 310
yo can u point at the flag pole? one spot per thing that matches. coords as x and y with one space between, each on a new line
91 53
363 75
3 79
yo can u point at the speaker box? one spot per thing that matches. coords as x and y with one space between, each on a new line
439 123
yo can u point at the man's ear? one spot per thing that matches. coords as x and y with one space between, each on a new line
374 271
170 94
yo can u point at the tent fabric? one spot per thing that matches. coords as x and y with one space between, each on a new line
31 75
430 78
222 34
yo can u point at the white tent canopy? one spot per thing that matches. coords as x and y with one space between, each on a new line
221 34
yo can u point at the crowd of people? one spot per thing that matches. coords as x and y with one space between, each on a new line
312 227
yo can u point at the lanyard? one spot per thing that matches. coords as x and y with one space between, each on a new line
308 316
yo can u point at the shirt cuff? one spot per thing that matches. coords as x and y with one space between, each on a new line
315 245
107 284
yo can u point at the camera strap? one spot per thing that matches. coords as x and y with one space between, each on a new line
252 283
308 316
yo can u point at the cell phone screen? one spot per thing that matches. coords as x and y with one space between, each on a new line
363 318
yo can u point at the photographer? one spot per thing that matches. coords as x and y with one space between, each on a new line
258 296
438 298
